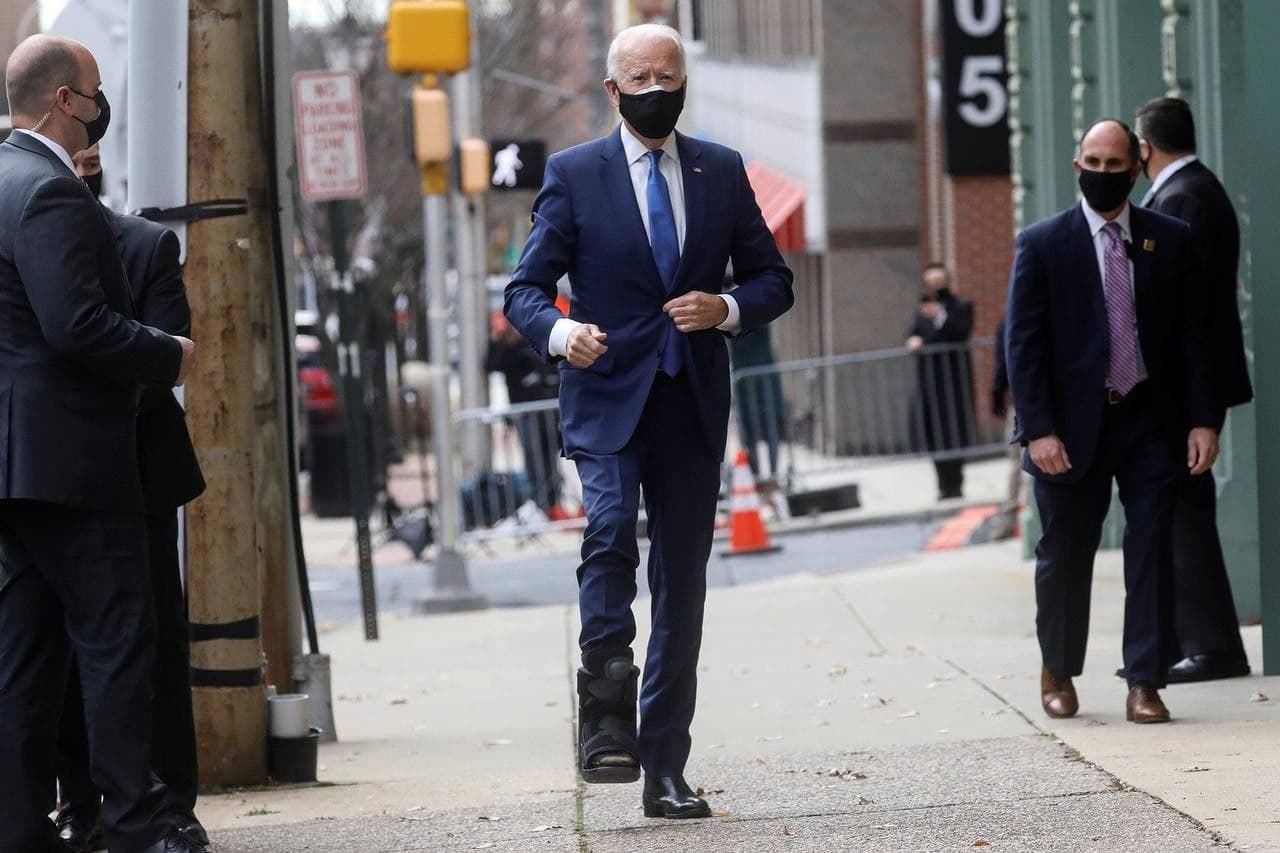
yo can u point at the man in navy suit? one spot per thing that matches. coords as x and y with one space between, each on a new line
1107 363
644 222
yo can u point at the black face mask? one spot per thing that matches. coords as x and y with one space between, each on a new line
653 114
1105 191
98 127
94 182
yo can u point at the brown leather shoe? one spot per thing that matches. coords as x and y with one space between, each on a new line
1144 705
1057 697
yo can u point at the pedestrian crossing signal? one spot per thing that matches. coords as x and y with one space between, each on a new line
518 164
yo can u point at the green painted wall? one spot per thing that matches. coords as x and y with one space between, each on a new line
1072 62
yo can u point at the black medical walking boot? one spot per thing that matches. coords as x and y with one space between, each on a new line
608 686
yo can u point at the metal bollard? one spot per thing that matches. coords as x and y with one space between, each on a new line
311 676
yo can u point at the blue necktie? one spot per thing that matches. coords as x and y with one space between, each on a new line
662 223
665 243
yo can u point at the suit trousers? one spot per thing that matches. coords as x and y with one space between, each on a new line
668 458
173 728
1134 450
1206 611
83 588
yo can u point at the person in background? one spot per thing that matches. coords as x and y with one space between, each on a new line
530 378
761 406
1006 523
1206 624
942 414
171 477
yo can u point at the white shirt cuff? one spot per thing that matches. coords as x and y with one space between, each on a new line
559 341
732 323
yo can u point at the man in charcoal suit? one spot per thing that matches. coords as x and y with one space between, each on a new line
170 478
73 548
1208 630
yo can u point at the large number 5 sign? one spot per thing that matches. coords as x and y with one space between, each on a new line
979 79
975 92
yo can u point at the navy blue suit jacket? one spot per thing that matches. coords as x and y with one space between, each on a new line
586 224
1058 346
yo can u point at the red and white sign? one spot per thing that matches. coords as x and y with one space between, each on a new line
330 137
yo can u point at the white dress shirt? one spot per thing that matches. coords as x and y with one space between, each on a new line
638 162
1165 174
51 145
1096 223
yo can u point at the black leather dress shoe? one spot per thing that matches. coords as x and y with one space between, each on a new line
670 796
1207 667
79 831
177 842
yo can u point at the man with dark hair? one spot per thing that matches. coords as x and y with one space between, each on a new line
1207 625
73 548
1107 363
942 413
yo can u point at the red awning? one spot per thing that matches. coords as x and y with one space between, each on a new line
781 201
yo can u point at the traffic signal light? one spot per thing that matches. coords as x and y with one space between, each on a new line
428 36
473 166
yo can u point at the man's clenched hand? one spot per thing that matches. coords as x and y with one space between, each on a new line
585 345
697 310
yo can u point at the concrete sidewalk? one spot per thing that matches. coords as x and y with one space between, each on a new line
889 709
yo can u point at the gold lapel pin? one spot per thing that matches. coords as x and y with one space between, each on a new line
1148 245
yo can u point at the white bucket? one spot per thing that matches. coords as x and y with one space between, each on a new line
289 715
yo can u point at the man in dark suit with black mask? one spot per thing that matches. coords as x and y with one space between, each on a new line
1183 187
73 548
170 478
1107 364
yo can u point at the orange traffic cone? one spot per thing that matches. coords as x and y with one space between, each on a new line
748 535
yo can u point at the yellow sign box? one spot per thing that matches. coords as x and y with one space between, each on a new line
428 37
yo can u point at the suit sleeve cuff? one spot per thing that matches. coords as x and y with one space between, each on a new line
733 323
558 343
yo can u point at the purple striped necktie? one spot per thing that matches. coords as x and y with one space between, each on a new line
1122 372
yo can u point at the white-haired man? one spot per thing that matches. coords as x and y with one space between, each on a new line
644 222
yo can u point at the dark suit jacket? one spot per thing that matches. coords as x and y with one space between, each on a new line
170 471
72 359
942 413
1058 346
586 224
1194 195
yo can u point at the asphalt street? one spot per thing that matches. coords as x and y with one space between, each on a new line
539 579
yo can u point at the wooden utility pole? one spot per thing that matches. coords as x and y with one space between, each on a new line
274 531
232 545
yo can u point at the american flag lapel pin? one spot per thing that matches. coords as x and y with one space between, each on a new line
1148 245
697 170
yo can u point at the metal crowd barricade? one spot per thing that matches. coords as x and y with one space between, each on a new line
806 425
524 489
817 418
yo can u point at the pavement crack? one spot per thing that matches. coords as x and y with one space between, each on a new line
580 787
857 617
1218 838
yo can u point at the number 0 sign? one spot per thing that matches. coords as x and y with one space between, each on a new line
975 93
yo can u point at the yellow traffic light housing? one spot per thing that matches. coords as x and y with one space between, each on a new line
432 138
428 36
474 172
